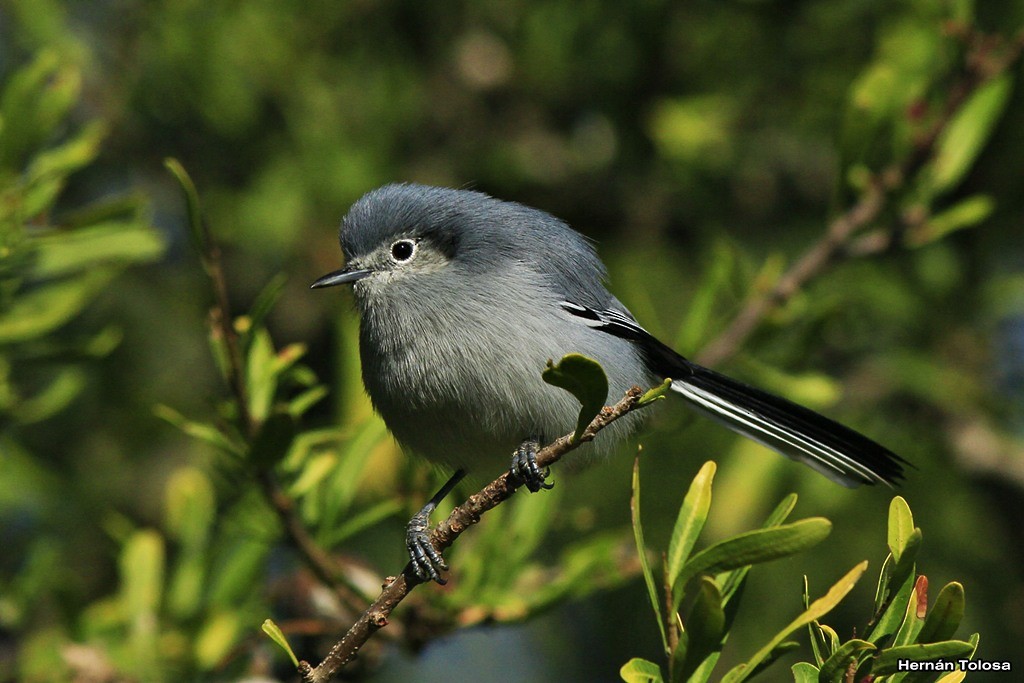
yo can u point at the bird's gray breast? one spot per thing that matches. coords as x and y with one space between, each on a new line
456 371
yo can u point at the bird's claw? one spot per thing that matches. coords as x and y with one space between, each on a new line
427 562
525 468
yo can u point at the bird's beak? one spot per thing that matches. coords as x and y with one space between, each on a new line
346 275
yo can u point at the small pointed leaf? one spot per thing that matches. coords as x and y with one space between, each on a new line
655 393
274 631
901 525
965 136
195 216
690 521
641 549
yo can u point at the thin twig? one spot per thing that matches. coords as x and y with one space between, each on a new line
324 566
812 263
220 322
462 517
319 561
985 60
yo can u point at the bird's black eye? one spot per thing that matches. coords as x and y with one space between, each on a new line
402 250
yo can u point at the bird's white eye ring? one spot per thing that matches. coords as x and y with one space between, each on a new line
403 250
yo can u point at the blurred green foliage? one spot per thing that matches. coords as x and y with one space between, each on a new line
705 143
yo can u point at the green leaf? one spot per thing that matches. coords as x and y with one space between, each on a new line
62 253
261 375
274 631
266 299
805 672
218 635
816 610
315 471
824 639
895 611
142 574
186 587
639 670
752 547
142 566
306 400
834 668
901 526
690 521
899 585
126 209
641 549
35 99
240 563
888 660
945 615
967 213
340 490
781 512
963 139
38 196
70 156
882 589
364 519
42 310
53 397
190 507
199 430
655 393
705 627
195 214
583 378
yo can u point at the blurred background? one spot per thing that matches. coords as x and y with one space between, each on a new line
703 145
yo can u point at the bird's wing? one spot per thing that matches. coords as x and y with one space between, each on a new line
834 450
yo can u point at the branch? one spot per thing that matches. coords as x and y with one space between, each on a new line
318 560
811 264
988 56
462 517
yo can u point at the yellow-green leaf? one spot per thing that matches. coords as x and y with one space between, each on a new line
585 379
639 670
690 521
274 631
641 549
968 131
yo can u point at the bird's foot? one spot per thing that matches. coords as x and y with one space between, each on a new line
525 469
426 560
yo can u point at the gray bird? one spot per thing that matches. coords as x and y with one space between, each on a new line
463 298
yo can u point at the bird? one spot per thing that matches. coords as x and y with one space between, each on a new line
462 300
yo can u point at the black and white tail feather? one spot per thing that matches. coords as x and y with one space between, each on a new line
836 451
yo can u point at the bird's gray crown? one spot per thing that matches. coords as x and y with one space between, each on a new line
480 234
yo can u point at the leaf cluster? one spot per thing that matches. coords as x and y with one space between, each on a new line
902 628
54 263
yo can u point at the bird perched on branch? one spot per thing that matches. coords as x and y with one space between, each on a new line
463 298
